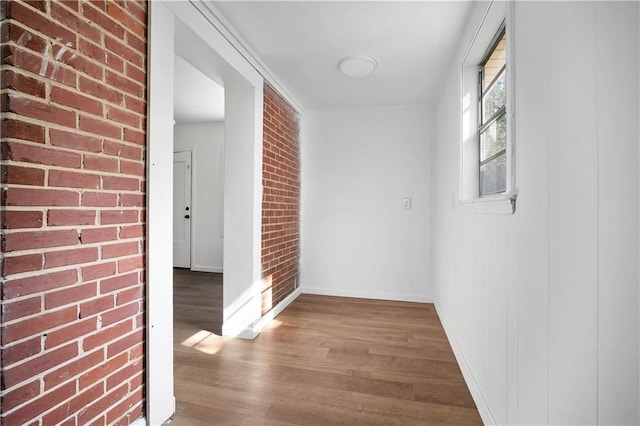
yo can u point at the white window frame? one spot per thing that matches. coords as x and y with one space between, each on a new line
497 14
485 123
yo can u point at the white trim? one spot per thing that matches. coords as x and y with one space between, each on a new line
497 11
234 327
503 204
217 20
476 393
214 269
265 320
510 20
243 177
140 422
159 396
398 297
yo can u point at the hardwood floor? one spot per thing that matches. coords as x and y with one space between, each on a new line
323 361
197 302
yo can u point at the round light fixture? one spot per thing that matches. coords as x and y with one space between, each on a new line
357 66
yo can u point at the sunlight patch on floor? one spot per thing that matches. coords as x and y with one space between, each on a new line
273 324
204 341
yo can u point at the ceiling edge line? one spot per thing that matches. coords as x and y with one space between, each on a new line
224 27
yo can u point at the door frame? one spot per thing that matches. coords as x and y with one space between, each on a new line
168 21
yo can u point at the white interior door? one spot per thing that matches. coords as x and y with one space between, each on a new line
182 209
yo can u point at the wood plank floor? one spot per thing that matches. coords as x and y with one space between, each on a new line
323 361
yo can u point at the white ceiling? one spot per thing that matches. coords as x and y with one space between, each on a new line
197 98
302 42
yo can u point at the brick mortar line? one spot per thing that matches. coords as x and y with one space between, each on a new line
105 104
19 253
77 226
279 245
43 293
42 392
47 101
281 258
105 13
77 132
48 168
129 410
67 108
79 340
103 46
136 4
76 49
29 97
55 309
78 15
133 16
24 339
81 190
75 266
99 245
81 208
93 79
81 354
97 208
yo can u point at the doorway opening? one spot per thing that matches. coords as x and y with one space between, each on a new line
198 198
185 28
198 146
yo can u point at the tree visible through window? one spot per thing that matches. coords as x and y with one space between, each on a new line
492 128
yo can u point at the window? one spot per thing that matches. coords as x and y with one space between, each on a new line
487 148
492 126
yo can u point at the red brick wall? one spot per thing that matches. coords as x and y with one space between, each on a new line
72 211
281 200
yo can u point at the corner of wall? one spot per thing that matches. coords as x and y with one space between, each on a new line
467 373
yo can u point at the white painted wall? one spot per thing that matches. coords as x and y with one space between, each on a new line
542 305
242 211
357 166
206 143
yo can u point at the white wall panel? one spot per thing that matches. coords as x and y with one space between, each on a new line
357 166
532 216
566 289
573 216
617 89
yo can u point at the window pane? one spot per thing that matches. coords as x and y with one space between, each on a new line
496 61
493 176
495 98
494 138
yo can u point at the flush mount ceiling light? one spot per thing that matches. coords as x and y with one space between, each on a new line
357 66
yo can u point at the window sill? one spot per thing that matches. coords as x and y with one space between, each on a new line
501 204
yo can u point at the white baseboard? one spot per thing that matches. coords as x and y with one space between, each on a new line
252 331
265 320
476 393
198 268
240 322
399 297
140 422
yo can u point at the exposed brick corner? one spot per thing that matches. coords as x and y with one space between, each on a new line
72 168
281 200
